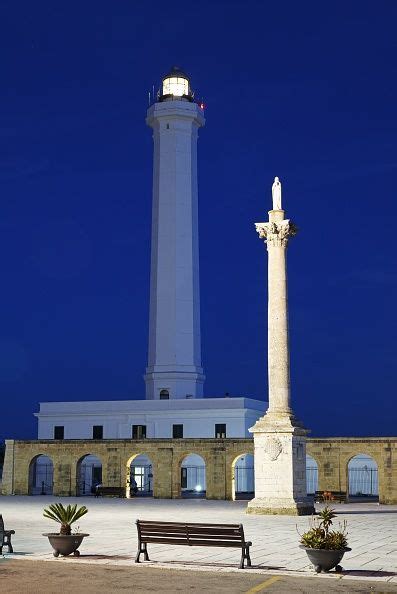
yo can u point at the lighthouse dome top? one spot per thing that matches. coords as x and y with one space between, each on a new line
176 71
175 85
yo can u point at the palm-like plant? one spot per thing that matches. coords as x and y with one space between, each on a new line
65 516
321 537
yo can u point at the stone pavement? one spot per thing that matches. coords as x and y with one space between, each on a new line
372 536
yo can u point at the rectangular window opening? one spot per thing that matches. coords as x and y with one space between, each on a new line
59 432
220 430
97 432
139 432
177 431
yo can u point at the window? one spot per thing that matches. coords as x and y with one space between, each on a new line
138 431
177 431
97 432
164 395
59 432
220 430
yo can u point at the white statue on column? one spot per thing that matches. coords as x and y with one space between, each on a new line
276 194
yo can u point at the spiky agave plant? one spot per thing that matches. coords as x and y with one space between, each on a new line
65 516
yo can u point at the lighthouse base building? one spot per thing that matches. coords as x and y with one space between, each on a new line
141 419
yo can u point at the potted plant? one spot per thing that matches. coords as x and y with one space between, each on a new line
324 547
64 542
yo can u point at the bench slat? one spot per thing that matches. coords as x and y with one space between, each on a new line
193 542
202 524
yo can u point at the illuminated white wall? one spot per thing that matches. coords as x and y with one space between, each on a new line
198 417
174 359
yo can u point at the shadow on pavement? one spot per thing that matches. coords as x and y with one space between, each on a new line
367 511
85 557
213 564
368 573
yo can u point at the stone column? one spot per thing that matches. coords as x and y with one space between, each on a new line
215 473
62 476
162 487
279 439
7 485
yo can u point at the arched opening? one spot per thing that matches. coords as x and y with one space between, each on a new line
362 475
41 475
193 481
243 477
88 475
164 395
311 475
140 476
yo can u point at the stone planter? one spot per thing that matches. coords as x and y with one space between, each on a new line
65 544
324 559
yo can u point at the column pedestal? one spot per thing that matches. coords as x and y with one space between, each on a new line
280 467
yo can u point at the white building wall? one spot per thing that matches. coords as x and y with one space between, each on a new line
198 417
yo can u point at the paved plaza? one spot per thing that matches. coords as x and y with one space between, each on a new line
110 522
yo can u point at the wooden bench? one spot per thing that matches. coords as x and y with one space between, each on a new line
5 537
192 535
329 496
113 491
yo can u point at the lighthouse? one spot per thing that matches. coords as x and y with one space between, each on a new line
174 407
174 368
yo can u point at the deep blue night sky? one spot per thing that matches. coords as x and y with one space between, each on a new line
306 91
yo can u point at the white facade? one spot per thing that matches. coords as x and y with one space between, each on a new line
174 362
117 417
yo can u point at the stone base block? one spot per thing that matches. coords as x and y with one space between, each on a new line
276 506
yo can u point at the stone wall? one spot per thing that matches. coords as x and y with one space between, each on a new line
332 456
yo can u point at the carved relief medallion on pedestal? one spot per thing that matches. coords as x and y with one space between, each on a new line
273 448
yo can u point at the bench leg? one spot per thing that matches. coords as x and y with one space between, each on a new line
245 555
242 559
247 552
146 556
142 549
10 549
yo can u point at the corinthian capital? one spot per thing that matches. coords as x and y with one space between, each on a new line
276 233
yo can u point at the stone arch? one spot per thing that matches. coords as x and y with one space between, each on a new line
88 474
243 476
311 475
140 475
193 475
41 475
362 477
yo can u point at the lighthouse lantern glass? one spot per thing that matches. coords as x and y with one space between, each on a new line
176 86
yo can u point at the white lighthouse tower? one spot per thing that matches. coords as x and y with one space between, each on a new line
174 363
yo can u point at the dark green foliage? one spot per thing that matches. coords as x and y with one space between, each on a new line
65 516
321 537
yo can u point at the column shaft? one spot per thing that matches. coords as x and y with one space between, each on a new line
278 349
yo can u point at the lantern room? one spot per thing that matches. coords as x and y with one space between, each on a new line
176 85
